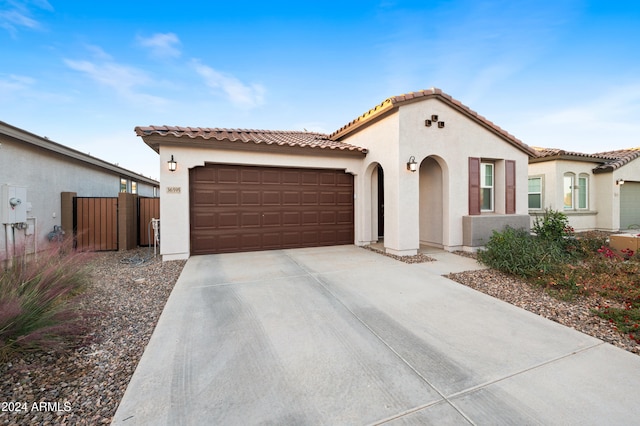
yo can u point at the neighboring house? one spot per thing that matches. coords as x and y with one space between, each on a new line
596 191
419 168
36 171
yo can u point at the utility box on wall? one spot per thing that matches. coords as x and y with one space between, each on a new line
14 204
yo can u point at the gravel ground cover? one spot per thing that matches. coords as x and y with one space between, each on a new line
84 386
575 313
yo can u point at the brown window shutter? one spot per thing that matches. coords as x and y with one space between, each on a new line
510 187
474 186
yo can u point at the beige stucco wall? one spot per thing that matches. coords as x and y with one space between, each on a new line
603 210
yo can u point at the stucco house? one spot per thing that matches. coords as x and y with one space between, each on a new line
34 171
598 191
417 169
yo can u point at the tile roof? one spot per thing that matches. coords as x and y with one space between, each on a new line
617 159
608 161
268 137
393 102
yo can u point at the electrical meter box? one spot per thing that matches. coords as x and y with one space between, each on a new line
14 204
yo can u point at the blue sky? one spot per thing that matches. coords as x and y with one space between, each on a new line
561 74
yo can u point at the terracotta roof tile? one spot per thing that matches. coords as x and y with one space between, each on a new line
267 137
609 160
393 102
617 159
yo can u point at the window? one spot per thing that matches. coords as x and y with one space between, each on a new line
576 191
567 191
123 185
486 187
535 193
134 187
583 191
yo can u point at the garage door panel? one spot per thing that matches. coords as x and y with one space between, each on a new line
271 219
202 198
271 240
327 236
310 198
290 198
328 179
309 237
291 177
242 208
271 177
291 239
228 175
309 178
328 218
250 198
204 220
251 241
327 198
250 220
310 218
344 198
291 218
344 218
250 176
228 220
271 198
228 198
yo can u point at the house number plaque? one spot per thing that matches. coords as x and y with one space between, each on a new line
173 189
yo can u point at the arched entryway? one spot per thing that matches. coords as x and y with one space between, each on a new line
432 202
375 178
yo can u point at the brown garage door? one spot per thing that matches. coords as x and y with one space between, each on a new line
246 208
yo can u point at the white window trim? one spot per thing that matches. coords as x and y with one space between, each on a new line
575 191
541 177
483 164
572 176
586 192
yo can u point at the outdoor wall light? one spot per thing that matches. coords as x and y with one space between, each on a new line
412 165
173 164
620 182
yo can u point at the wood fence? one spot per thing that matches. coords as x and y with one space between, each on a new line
95 223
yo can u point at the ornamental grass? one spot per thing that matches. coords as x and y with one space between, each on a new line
40 301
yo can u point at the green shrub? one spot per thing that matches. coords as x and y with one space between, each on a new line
553 226
39 307
516 252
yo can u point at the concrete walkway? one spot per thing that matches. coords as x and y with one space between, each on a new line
342 335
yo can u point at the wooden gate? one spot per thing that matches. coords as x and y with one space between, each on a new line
95 223
148 208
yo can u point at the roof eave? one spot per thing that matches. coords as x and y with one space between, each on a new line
47 144
155 141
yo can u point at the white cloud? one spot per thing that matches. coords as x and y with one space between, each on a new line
15 83
17 15
240 94
606 120
161 45
123 79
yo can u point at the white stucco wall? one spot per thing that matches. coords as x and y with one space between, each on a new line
402 134
174 186
391 141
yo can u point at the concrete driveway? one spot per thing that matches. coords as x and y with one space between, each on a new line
342 335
